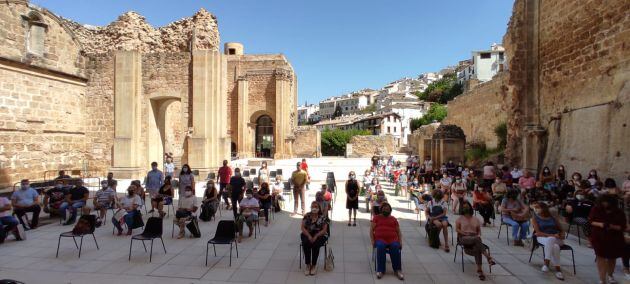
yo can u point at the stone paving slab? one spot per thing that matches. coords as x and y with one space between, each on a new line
273 256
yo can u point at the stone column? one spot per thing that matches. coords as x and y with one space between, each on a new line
207 142
281 123
128 90
533 147
244 140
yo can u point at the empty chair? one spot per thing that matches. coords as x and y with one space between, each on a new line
279 172
85 226
272 174
153 230
225 235
252 172
245 174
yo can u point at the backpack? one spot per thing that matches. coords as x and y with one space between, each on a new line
434 235
193 227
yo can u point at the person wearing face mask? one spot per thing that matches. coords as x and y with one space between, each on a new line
352 198
186 179
482 201
24 200
547 178
249 207
499 189
153 181
369 192
561 174
516 175
264 196
577 211
608 224
436 211
386 237
445 184
458 191
8 223
76 198
314 235
403 182
515 213
592 177
549 233
236 189
276 193
104 199
54 197
469 235
187 206
127 209
376 203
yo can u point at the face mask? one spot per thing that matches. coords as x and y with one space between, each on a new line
386 213
352 177
459 180
314 210
185 169
59 186
546 171
24 187
248 196
188 193
154 168
579 197
537 210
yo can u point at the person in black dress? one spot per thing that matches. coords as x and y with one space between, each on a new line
352 197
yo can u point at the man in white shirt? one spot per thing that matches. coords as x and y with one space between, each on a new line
187 206
249 208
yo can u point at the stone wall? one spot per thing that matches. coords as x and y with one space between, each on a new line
569 67
416 140
365 146
480 109
307 143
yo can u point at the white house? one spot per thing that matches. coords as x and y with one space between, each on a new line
380 124
305 113
407 112
485 64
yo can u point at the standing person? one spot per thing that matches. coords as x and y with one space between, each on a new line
264 196
276 193
299 179
489 173
186 179
469 235
24 200
129 204
403 182
169 167
314 235
386 237
608 224
225 173
436 209
548 233
164 196
187 206
110 179
304 167
514 213
237 183
210 201
263 173
153 182
352 198
428 165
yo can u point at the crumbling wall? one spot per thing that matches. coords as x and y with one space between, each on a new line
307 143
480 109
365 146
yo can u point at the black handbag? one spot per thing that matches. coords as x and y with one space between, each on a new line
137 220
193 227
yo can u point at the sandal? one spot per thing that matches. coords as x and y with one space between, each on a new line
482 276
491 261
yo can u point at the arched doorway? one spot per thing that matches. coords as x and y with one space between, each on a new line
264 144
165 132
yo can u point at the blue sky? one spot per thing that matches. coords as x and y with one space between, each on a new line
335 46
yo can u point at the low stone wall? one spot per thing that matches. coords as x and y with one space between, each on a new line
364 146
307 142
480 109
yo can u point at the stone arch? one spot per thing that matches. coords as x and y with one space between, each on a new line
36 29
257 114
160 129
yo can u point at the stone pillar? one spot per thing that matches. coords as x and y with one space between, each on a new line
128 90
533 147
207 142
281 123
244 146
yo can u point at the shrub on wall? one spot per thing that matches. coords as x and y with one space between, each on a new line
334 140
436 112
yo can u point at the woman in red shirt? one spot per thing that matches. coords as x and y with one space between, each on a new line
386 237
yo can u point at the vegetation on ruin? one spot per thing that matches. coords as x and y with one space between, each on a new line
334 140
338 112
501 132
369 109
442 90
437 112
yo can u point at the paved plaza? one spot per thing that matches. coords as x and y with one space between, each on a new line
273 256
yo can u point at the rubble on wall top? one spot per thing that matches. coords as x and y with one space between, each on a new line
449 131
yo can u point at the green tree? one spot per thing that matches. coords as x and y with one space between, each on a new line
338 112
442 90
437 112
501 132
334 140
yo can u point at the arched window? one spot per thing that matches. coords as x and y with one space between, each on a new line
35 33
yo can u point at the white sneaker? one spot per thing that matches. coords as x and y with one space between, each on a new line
611 280
544 268
559 275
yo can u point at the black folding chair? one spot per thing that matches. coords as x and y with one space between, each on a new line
325 251
507 231
152 231
462 253
91 219
536 244
374 255
225 235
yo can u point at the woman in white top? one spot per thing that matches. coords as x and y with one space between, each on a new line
263 173
129 204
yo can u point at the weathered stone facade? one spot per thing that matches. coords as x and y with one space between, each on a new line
118 97
365 146
480 109
308 142
569 69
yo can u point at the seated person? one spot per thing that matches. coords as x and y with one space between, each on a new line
549 233
139 190
264 196
482 202
314 235
62 175
164 196
8 223
210 202
469 235
578 209
515 214
436 210
187 206
386 237
376 203
23 200
127 209
276 193
54 197
499 189
458 192
76 198
249 207
105 198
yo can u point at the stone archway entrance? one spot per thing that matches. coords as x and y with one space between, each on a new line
165 130
264 137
